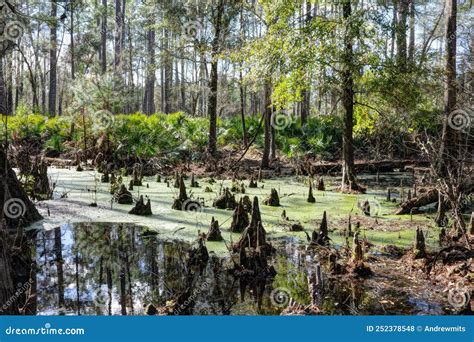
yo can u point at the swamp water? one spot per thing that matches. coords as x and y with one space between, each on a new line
118 269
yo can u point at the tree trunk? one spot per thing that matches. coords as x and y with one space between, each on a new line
241 80
242 110
348 170
71 8
168 73
118 37
394 28
267 125
411 45
53 59
402 34
103 37
305 104
3 93
10 87
213 82
149 101
449 136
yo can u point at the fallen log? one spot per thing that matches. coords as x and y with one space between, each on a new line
429 197
363 166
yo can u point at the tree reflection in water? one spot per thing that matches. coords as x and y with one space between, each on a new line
119 269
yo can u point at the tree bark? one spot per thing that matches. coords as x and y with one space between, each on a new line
402 33
306 94
411 45
73 67
103 37
118 37
167 73
449 135
149 101
53 59
3 93
348 170
394 27
267 125
214 78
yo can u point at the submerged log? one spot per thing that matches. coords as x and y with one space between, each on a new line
431 196
273 200
310 198
381 166
141 208
214 233
240 219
